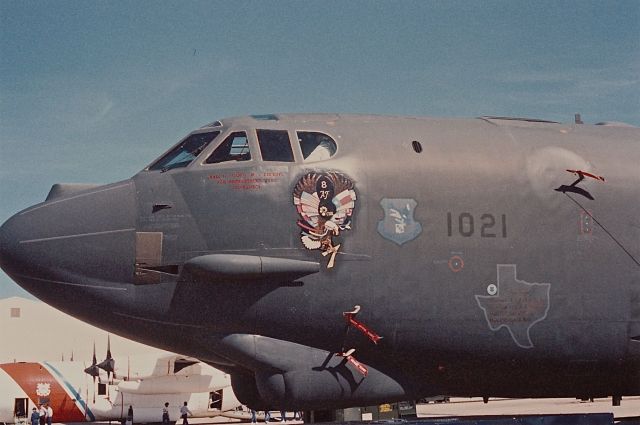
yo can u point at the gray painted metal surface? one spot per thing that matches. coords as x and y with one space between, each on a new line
493 257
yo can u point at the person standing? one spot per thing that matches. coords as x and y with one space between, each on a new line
35 417
267 416
184 413
165 414
49 414
43 414
254 419
130 416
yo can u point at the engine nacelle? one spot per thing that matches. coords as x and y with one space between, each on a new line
296 377
245 388
309 389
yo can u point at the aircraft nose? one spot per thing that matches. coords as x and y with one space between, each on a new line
9 236
79 239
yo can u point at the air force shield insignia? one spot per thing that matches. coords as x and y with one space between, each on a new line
398 224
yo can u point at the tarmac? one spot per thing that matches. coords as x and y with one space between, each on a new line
461 407
630 407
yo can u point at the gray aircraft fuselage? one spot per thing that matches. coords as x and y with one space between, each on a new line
495 257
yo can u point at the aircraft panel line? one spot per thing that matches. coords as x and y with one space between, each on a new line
79 235
46 204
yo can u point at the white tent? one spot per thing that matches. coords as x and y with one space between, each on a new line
34 331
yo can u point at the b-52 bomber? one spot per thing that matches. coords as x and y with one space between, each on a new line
327 260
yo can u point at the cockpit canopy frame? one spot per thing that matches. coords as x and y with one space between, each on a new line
216 144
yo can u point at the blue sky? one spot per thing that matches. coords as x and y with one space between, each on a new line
93 91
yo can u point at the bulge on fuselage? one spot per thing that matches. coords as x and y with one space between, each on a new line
481 251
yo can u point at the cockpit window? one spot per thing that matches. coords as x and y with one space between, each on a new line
185 152
234 148
316 146
275 145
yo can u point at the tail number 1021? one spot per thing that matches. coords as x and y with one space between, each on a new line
487 225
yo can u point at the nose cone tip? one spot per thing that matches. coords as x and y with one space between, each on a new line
15 257
8 242
4 243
